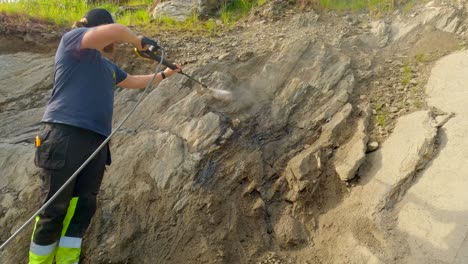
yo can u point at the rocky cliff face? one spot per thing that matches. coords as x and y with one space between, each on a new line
198 179
206 177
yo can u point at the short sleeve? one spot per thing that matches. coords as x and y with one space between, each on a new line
72 40
120 74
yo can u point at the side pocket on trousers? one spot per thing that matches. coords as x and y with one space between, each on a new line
52 153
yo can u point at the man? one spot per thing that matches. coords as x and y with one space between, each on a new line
77 119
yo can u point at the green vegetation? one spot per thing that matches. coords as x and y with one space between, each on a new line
380 119
418 104
407 74
409 5
378 106
65 12
373 6
237 9
421 57
344 5
193 24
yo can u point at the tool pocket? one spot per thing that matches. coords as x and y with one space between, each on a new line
52 152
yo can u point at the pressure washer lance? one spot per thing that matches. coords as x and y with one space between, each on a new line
151 54
144 41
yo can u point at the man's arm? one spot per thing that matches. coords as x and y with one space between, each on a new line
140 81
102 36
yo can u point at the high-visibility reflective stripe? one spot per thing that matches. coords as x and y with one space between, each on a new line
70 242
35 225
69 215
42 250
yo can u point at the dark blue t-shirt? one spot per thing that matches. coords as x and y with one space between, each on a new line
83 94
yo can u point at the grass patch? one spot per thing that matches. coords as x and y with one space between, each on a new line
65 12
407 7
58 12
407 74
139 17
373 6
418 104
211 26
381 119
237 9
192 24
422 57
68 11
344 5
378 106
381 116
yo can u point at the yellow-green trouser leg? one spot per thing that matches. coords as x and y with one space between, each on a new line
69 248
41 254
69 253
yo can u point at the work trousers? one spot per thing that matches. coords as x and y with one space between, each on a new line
59 229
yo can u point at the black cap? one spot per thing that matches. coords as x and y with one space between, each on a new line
97 17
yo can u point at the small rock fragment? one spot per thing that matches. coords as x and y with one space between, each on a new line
372 146
393 109
224 56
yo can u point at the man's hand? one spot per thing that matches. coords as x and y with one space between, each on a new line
139 44
169 72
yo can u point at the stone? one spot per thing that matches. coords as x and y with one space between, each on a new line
245 56
236 122
372 146
290 233
201 133
179 10
302 172
28 38
393 109
395 164
351 155
443 18
290 96
441 120
336 123
224 56
380 29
